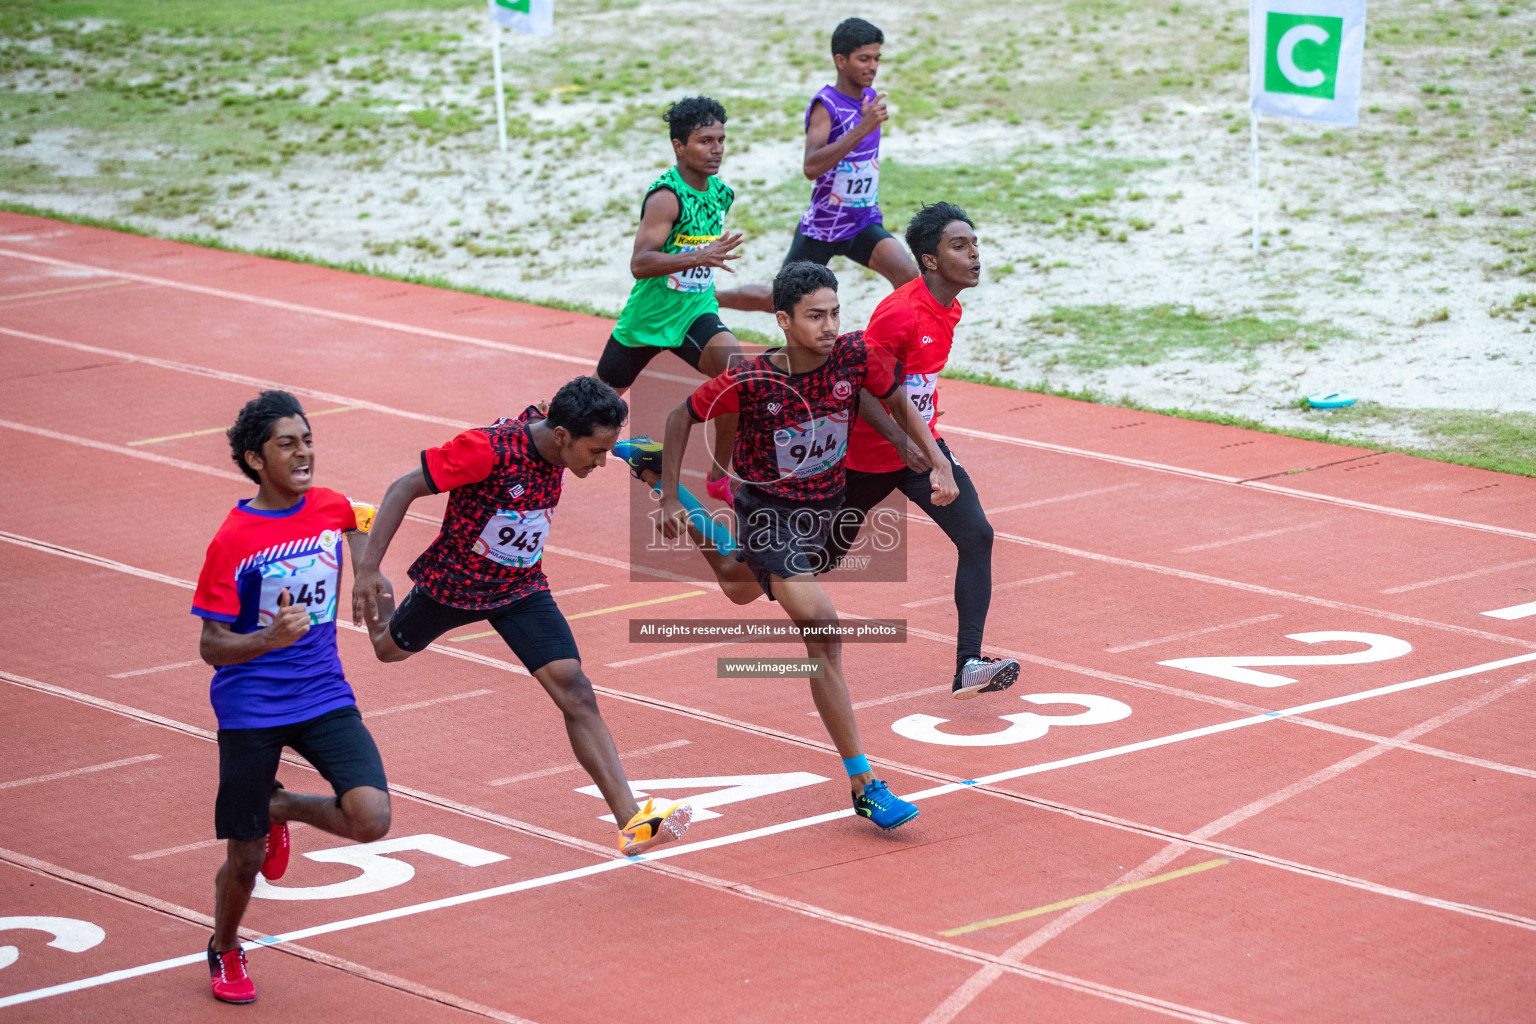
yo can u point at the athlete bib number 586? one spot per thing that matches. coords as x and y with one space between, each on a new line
922 388
515 538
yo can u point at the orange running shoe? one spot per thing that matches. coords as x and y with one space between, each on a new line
654 826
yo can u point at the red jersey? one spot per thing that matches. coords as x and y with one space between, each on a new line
919 332
490 550
793 432
254 557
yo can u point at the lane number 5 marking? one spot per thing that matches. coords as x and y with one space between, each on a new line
379 870
1377 648
68 933
1022 727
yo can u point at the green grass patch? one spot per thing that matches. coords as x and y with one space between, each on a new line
1099 336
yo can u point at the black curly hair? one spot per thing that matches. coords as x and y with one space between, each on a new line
253 427
795 281
585 405
693 112
852 34
927 228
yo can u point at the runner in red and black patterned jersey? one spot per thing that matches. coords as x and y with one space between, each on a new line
794 407
486 565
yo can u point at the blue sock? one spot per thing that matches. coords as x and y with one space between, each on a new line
856 765
718 535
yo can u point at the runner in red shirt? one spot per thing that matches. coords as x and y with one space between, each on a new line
917 322
267 601
794 407
487 564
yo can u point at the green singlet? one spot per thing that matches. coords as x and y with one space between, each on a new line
661 309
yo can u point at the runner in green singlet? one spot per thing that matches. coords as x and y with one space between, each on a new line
681 241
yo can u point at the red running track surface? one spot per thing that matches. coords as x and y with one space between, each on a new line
1351 844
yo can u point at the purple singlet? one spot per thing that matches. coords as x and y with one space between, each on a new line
846 199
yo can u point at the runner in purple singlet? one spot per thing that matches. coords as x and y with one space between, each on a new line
842 157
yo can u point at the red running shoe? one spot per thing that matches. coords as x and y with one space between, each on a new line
230 982
720 490
276 860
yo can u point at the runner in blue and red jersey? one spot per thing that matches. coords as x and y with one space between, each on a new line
842 158
795 405
267 599
487 565
916 322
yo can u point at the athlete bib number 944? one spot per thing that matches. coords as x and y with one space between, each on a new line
812 447
694 279
515 538
856 183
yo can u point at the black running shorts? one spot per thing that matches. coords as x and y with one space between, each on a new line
336 743
860 248
532 626
620 364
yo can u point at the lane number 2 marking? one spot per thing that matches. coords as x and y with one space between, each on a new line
1238 669
1022 727
68 933
379 870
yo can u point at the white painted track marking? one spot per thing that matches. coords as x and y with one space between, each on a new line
157 668
1519 611
1001 586
1261 535
71 773
1191 634
1060 497
1486 570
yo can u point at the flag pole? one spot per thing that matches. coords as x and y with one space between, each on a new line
1253 150
501 96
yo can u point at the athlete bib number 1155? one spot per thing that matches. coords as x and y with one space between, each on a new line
694 279
812 447
856 183
515 538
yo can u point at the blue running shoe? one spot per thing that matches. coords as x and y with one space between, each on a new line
881 806
641 453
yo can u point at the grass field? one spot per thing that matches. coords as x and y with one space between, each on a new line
1100 146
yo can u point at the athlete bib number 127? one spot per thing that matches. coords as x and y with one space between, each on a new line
694 279
515 538
856 183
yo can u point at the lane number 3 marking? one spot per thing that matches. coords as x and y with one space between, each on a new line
1022 727
1240 669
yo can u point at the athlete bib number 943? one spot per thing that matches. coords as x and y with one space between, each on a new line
694 279
856 183
515 538
812 447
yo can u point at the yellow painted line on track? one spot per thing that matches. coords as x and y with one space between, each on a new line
1049 908
220 430
588 615
63 291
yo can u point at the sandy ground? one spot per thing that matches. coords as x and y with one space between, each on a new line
1408 300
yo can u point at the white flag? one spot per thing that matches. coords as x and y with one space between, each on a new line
1304 58
535 17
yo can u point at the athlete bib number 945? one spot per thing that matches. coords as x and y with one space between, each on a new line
694 279
310 581
856 183
812 447
515 538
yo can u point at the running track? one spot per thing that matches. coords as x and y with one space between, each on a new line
1353 845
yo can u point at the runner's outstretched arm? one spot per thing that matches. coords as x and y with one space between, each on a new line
873 413
370 590
905 414
656 219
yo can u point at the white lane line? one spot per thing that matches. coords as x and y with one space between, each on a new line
1060 497
579 590
80 771
294 307
1474 574
1100 456
201 844
669 654
1518 611
667 853
562 769
1221 478
1192 633
967 992
235 378
157 668
893 698
426 703
1245 539
1000 586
